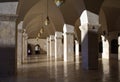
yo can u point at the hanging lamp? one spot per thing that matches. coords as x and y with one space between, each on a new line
41 30
59 2
47 20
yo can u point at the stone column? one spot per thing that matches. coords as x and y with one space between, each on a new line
76 48
118 47
52 47
8 40
24 50
77 51
8 58
89 40
105 44
58 45
48 47
68 42
19 44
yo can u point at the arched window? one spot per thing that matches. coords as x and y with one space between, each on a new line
37 49
114 46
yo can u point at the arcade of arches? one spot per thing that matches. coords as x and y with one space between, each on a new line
84 36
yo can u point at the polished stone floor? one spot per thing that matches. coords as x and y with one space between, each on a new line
51 71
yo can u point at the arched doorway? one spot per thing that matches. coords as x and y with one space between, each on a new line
29 49
37 49
114 46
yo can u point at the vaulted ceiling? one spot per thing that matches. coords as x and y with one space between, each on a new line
112 12
33 13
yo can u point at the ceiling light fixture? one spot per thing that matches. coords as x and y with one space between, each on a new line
42 30
59 2
47 20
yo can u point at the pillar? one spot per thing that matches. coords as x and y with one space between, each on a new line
119 48
52 47
76 48
58 45
48 47
76 51
89 40
105 44
8 63
68 42
19 44
24 49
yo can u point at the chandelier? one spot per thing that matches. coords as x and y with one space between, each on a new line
59 2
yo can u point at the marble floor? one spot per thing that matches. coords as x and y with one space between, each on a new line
51 71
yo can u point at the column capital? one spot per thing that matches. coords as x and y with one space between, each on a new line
52 37
58 35
90 27
48 39
68 28
89 17
25 35
20 26
76 41
69 33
